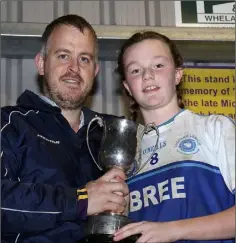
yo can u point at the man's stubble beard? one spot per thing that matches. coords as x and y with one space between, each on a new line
64 101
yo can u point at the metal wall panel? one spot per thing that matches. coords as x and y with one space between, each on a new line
3 82
153 17
105 13
58 8
37 11
87 9
16 76
112 12
167 13
12 7
129 13
4 11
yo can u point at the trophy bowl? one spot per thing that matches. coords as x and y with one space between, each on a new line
118 145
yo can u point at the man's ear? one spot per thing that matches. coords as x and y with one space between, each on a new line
39 62
127 87
178 75
96 69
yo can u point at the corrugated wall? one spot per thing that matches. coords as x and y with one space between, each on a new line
20 74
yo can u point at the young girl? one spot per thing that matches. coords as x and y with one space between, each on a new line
186 191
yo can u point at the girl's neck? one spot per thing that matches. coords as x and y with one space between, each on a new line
160 115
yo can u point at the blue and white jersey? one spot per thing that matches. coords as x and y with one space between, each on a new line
191 174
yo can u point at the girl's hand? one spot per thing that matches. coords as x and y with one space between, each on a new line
150 232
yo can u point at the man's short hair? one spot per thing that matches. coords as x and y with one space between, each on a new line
72 20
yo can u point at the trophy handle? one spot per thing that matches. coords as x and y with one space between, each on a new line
147 128
101 124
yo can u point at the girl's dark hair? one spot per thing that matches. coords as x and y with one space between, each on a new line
134 39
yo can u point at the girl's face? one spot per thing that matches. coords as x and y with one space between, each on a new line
150 74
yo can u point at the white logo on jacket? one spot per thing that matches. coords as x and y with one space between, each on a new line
48 140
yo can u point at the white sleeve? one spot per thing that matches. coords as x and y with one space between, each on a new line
224 144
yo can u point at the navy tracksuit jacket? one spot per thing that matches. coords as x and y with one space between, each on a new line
43 163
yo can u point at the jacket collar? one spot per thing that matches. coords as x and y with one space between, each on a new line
30 100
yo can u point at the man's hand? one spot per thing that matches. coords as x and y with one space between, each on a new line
102 194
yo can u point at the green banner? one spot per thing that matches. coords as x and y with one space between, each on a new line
205 13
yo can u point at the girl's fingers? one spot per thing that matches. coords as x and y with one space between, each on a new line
127 227
128 230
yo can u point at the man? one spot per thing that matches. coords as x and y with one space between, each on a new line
49 181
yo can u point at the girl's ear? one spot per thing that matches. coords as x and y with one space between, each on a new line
127 87
178 76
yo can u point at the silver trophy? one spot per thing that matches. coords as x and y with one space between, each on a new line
121 148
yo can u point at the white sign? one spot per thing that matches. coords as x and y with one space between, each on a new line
205 13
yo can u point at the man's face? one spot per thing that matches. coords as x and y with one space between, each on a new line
69 66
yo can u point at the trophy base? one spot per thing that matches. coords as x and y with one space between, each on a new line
100 228
101 238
